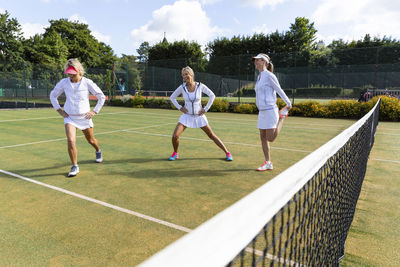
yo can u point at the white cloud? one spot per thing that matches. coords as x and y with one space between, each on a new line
98 35
2 10
101 37
209 2
262 3
354 19
30 29
183 20
236 20
261 29
78 18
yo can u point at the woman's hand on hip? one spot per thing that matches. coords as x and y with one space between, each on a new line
184 110
202 111
62 113
90 114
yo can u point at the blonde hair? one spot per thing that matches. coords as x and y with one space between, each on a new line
74 62
188 70
268 63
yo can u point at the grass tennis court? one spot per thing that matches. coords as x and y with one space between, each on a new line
42 226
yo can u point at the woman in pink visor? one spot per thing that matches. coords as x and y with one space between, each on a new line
77 113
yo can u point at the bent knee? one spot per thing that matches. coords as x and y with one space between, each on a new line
92 141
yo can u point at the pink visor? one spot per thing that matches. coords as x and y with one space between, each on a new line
71 70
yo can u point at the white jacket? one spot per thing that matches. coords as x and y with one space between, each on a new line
77 102
267 86
193 101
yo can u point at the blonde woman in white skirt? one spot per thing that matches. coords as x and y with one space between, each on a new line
193 113
77 113
270 120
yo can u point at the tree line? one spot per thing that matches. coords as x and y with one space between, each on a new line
43 55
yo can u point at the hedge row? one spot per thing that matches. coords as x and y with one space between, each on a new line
324 92
389 109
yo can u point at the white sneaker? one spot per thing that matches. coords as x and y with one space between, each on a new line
284 112
74 171
99 156
267 166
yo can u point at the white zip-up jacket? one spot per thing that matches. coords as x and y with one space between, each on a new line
77 102
267 86
193 101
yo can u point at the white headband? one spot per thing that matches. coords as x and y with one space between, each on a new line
263 57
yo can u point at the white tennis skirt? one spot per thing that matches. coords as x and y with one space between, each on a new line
268 119
79 121
193 121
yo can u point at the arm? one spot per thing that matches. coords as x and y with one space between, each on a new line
211 96
54 94
173 97
277 87
96 91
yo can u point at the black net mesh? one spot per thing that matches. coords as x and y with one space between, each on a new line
311 229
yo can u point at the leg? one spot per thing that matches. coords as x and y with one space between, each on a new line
265 143
90 138
70 131
175 136
207 129
272 134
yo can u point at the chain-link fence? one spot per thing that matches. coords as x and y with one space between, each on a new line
227 76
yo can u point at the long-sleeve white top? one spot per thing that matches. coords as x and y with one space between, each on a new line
267 86
77 100
193 100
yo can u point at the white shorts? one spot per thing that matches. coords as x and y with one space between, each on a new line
79 121
267 119
193 121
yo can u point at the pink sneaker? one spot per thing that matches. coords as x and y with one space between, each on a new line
267 166
174 156
229 156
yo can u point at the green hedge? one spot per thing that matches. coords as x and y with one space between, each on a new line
389 109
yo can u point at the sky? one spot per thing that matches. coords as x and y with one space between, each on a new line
125 24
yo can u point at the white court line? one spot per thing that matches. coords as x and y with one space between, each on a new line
105 204
130 212
246 122
80 136
131 130
57 117
387 160
208 140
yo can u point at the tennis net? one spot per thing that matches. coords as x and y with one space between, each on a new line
299 218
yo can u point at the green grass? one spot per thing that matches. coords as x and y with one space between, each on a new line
40 226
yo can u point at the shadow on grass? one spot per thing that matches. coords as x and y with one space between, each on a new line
170 172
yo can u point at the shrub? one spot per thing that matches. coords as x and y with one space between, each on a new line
344 109
157 103
308 109
219 105
125 98
245 108
138 101
389 108
116 102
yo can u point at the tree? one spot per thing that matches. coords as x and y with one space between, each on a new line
82 44
143 52
11 50
301 35
177 55
367 50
